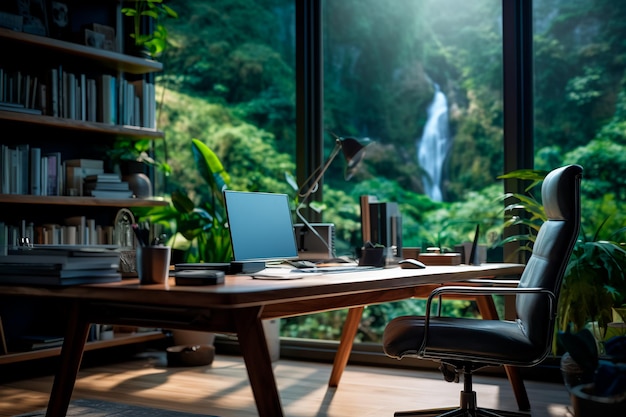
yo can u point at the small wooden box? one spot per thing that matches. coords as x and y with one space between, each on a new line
440 258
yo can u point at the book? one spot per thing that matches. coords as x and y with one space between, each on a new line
46 261
104 177
106 186
35 171
58 281
53 174
54 270
85 163
111 194
35 342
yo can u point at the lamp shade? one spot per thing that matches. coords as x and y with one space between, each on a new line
353 153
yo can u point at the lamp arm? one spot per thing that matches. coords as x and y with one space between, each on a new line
320 173
304 197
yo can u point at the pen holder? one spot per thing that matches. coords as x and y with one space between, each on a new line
372 257
153 264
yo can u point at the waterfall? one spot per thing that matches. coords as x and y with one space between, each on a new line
434 146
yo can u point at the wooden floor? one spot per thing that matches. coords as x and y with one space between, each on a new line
222 389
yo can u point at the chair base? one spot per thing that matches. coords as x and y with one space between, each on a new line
460 412
467 407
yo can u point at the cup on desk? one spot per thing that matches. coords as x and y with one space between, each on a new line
153 264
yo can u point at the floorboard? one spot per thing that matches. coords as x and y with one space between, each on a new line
222 389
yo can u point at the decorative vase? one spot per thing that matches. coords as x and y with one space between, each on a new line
134 173
140 184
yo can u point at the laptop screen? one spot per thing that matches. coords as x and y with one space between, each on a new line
260 226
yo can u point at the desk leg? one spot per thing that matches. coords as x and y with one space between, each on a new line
76 334
487 309
258 362
345 344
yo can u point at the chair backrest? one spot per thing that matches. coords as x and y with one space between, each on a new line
560 193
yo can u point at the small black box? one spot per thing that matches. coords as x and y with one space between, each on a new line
199 277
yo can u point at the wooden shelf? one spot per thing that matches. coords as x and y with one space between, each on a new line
80 201
118 340
111 60
82 126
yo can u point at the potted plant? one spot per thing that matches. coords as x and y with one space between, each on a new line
148 32
198 231
594 373
132 159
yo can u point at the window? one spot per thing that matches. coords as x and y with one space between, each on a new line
421 80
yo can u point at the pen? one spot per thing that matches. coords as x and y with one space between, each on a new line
141 235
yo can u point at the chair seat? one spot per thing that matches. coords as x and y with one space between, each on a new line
486 341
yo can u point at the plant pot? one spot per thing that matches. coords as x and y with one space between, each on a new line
572 374
588 405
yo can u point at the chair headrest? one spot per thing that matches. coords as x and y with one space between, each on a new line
556 197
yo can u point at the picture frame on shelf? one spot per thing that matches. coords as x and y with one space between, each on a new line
35 19
59 23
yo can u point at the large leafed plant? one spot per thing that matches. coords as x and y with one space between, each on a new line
198 230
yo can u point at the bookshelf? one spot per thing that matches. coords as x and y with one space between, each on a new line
71 134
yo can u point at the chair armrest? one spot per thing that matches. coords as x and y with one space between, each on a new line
496 282
476 290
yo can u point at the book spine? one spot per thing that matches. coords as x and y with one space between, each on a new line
35 171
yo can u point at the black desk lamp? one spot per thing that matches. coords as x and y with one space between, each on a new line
353 152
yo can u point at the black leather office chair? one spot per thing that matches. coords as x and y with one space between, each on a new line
463 345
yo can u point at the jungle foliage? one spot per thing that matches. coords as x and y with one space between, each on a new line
229 81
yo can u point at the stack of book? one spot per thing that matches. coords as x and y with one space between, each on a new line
60 265
106 186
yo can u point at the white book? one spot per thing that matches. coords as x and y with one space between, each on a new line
70 235
80 222
91 236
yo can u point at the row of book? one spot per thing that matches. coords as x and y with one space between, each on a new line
77 230
102 98
59 265
26 170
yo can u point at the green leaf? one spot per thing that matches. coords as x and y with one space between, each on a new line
210 167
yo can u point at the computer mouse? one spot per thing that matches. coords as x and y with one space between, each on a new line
411 264
302 264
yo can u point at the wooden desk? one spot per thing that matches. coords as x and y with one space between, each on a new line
238 306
